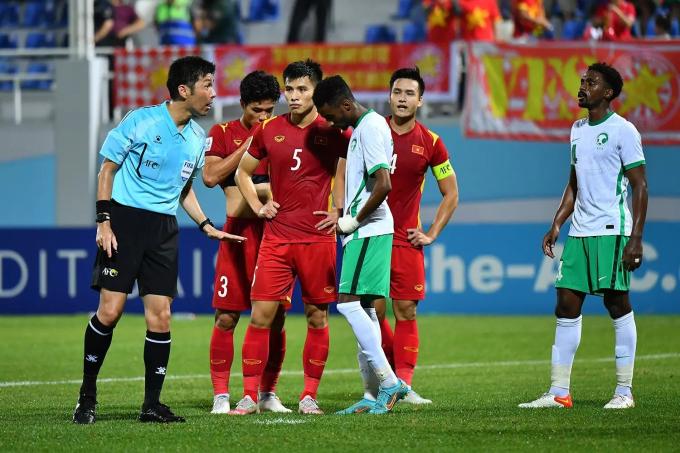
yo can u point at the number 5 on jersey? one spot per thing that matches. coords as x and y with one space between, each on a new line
297 159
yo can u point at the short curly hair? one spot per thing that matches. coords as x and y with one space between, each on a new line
259 86
610 75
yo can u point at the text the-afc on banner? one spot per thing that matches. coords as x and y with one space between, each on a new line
141 74
528 92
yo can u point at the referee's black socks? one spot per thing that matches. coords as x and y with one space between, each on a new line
97 341
156 356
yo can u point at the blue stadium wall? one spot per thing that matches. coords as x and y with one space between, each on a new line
472 268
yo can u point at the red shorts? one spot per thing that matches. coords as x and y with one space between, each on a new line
278 265
236 264
407 273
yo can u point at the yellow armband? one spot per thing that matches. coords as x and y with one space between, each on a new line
443 170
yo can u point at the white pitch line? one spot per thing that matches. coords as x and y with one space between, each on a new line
443 366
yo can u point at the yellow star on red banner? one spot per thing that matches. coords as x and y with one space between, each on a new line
643 89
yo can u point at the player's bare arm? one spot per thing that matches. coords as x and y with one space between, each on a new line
632 253
448 187
331 217
105 238
193 209
217 169
561 216
244 174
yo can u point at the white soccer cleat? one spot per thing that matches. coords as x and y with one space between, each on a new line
245 407
548 400
309 406
269 402
620 402
413 398
221 404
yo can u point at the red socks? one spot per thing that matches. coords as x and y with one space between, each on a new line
277 352
221 357
406 344
387 340
314 358
254 358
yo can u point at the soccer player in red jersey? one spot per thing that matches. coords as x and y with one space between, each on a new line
299 237
416 148
236 263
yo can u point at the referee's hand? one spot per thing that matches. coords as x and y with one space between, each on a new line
105 238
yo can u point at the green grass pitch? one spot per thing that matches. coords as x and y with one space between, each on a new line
476 369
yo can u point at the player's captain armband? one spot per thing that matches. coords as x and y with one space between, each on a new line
443 170
208 144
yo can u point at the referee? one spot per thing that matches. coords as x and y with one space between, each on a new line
150 161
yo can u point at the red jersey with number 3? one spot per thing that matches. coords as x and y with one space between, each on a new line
302 164
225 138
414 152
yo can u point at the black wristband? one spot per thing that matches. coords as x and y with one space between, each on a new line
204 223
103 206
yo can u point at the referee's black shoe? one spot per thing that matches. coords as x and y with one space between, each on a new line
84 414
159 413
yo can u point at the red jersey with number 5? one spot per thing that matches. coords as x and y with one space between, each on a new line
414 152
302 164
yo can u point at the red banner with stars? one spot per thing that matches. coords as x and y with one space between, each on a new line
140 75
527 92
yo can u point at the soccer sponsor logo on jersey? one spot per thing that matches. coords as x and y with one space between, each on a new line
109 272
417 149
329 289
279 138
320 140
157 139
208 144
237 142
601 139
419 287
353 144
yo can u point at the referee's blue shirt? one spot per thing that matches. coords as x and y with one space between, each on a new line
156 159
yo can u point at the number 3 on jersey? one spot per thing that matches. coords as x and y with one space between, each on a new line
297 159
393 165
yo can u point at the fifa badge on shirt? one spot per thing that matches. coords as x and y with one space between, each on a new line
187 170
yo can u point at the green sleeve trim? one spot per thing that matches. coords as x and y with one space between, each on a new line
633 165
443 170
377 167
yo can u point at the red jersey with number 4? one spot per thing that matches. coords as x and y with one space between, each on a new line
225 138
302 164
414 152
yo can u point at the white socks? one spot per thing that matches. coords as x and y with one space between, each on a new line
370 380
567 339
368 336
625 334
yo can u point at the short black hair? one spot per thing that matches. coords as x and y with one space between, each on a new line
610 75
332 91
308 68
409 73
259 86
187 71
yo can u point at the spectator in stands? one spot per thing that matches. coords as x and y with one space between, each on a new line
216 21
662 27
301 10
478 19
530 20
103 22
612 21
173 20
441 25
125 22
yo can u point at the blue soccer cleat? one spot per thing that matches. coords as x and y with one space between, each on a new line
361 407
388 396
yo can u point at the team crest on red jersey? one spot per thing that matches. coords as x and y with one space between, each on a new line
279 138
320 140
237 142
417 149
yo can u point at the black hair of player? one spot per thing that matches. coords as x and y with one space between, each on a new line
409 73
610 75
308 68
259 86
187 71
331 91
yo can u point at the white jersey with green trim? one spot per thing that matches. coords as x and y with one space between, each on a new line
601 152
370 149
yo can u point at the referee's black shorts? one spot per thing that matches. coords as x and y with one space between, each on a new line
147 252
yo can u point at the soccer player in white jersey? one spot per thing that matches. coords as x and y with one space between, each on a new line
366 222
605 240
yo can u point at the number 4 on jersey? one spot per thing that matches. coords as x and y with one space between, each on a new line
393 165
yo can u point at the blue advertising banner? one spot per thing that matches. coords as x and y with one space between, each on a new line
490 268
